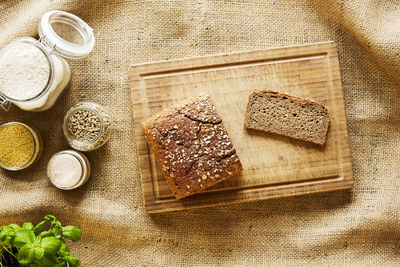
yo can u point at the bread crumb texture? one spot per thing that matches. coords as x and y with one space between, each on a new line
287 115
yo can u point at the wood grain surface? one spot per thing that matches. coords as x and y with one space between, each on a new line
274 166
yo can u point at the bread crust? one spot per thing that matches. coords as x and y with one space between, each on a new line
191 146
289 97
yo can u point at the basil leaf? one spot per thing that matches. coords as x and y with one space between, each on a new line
50 244
55 227
39 252
50 218
6 243
15 226
64 247
72 232
27 225
5 228
39 227
46 233
22 237
25 255
47 261
72 260
6 233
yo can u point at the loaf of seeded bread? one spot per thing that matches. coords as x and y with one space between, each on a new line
192 146
287 115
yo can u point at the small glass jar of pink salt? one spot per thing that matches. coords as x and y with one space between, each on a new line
68 169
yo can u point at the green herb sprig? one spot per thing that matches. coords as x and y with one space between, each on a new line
29 245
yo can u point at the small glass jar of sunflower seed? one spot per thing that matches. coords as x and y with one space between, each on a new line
87 126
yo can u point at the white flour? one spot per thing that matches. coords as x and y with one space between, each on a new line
24 71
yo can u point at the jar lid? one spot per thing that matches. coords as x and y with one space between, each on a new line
66 34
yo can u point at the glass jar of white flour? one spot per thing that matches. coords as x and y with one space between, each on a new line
34 73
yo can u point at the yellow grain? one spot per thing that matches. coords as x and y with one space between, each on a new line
16 145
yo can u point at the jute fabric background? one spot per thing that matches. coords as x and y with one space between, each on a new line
357 227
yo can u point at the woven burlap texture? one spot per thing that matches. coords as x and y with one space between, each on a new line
357 227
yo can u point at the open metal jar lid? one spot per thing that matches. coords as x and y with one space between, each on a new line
66 34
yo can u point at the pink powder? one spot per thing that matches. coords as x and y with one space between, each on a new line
64 170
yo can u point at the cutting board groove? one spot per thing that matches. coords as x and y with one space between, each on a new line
274 166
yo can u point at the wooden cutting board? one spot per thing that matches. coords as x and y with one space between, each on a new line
274 166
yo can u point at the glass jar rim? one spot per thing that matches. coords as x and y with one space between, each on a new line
83 161
43 49
75 108
50 38
36 142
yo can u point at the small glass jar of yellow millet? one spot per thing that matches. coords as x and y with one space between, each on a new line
20 146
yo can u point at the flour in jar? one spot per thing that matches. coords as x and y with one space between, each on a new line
24 71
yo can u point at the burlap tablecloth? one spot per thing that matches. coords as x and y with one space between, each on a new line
357 227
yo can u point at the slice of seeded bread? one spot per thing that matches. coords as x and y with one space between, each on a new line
287 115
